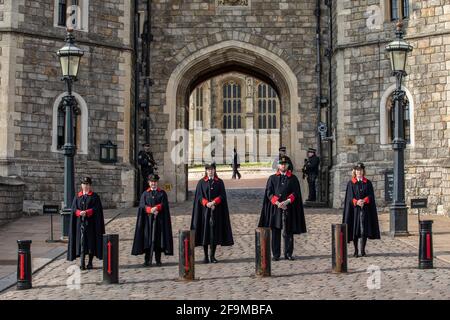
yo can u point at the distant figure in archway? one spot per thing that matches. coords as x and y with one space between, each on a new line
282 153
235 164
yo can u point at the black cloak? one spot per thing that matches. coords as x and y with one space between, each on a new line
144 224
352 211
95 226
271 215
201 213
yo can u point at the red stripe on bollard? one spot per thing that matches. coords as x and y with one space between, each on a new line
186 255
22 266
109 245
428 246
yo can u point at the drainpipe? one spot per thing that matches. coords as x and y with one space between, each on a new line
136 99
329 54
319 94
147 38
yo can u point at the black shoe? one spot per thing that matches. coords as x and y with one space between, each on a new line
276 258
90 266
214 260
146 264
83 267
289 258
206 260
355 254
363 253
158 263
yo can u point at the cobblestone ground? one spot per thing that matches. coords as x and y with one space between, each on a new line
308 277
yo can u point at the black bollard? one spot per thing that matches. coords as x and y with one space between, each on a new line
110 258
262 252
426 245
339 247
186 261
24 273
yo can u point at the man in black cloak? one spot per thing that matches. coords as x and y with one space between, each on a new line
283 209
153 231
210 216
360 210
87 226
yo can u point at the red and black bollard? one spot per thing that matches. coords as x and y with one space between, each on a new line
110 258
24 273
339 247
262 252
426 245
186 262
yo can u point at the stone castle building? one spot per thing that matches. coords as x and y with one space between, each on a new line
325 59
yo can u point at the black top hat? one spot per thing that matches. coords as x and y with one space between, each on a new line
153 177
146 144
311 150
210 166
86 180
282 149
359 165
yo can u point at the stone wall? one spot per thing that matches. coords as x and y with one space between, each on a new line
11 198
34 84
363 80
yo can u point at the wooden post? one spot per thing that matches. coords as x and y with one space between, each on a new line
339 247
262 252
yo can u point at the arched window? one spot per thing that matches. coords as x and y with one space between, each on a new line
232 105
80 121
267 107
387 117
199 104
61 132
406 119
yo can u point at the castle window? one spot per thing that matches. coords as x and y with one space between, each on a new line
71 14
406 119
61 125
80 123
232 105
398 9
267 107
199 104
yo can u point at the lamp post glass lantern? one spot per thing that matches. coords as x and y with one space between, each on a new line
69 58
398 51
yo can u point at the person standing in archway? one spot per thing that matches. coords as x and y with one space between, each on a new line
147 163
210 215
235 164
282 153
311 171
283 209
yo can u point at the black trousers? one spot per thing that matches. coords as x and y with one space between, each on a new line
236 172
157 252
312 187
276 243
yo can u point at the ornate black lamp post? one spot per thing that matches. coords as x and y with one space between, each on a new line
69 57
398 51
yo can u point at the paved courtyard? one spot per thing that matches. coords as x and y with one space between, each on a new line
308 277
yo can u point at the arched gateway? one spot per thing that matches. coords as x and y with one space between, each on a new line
230 55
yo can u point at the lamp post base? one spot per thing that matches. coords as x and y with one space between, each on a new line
398 220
